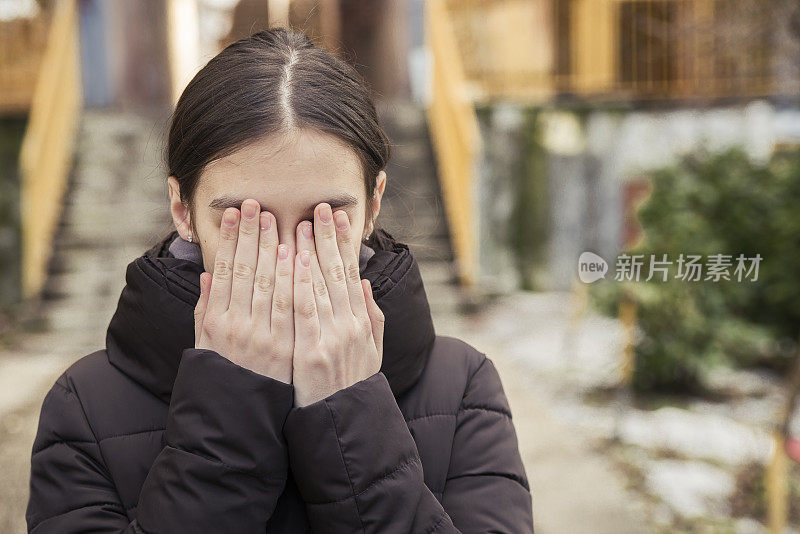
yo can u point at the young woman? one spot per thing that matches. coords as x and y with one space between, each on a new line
297 385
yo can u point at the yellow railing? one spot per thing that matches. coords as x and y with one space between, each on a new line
48 145
455 136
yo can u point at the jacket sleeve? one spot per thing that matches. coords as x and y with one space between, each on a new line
222 469
358 469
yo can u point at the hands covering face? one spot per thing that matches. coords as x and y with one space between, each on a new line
305 318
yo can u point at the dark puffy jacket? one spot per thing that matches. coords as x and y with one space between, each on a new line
151 435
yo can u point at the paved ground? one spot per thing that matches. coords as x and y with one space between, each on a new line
575 487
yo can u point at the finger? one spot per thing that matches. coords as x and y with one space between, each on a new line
330 260
282 322
265 270
321 295
350 261
305 240
376 316
306 322
245 258
220 293
304 237
200 308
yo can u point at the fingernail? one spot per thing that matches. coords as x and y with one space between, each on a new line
265 221
307 229
249 210
230 217
341 220
305 258
325 213
283 251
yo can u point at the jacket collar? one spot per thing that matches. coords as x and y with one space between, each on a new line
154 319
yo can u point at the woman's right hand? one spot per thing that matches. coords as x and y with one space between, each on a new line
246 315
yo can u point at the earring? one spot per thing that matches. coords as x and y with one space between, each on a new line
190 237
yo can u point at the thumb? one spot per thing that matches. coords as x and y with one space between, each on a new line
375 315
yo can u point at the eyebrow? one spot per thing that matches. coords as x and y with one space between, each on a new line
342 200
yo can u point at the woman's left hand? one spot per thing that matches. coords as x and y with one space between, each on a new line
338 326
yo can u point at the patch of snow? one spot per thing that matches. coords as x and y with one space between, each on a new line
691 488
694 435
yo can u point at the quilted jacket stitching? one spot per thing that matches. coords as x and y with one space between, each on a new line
402 467
438 523
101 464
259 476
35 523
344 462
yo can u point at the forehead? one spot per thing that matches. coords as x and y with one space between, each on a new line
285 170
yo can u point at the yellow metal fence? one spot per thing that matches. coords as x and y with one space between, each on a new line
455 137
47 148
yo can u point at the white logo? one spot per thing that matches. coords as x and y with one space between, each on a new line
591 267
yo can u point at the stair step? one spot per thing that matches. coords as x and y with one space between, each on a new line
79 284
437 272
401 119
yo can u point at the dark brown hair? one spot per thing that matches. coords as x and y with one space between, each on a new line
274 81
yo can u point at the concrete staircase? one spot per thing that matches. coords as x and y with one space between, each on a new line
413 210
115 207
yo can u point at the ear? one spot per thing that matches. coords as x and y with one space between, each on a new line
380 187
180 212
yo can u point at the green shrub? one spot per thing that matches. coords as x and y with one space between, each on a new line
716 204
12 130
530 215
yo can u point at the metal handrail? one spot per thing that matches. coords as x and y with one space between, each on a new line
48 144
455 137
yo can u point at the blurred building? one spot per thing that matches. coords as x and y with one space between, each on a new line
582 96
